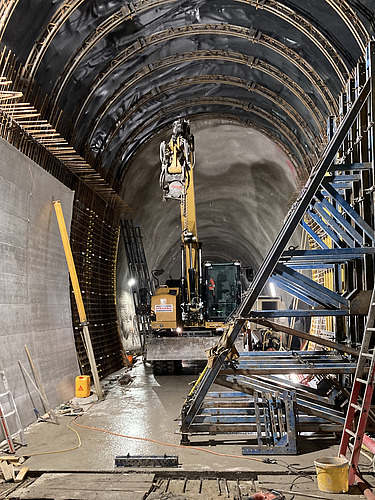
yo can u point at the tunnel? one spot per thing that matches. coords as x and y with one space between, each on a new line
89 91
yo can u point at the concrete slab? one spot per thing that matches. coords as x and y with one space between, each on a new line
141 417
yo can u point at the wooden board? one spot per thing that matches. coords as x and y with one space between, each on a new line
22 474
90 486
7 471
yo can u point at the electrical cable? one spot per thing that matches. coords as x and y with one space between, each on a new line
196 448
58 451
293 469
295 481
68 449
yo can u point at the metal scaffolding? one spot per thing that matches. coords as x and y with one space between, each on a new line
336 201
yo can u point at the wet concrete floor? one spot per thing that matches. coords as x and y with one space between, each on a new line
148 407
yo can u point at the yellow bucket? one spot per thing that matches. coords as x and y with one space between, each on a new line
332 474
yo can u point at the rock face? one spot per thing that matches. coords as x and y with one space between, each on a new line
243 187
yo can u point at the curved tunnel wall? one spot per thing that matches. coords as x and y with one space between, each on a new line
239 68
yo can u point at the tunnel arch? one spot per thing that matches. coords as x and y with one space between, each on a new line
269 71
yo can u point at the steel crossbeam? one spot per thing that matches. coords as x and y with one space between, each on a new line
282 368
343 167
313 235
338 217
284 362
324 227
344 178
306 423
333 255
348 209
200 389
309 287
333 223
311 404
281 283
298 313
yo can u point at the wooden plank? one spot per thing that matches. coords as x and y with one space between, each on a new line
101 480
7 471
48 493
90 486
9 458
22 474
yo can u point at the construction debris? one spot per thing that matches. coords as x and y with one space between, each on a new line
12 470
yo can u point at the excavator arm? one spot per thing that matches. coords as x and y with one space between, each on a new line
177 181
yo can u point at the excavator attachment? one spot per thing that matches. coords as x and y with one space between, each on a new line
177 161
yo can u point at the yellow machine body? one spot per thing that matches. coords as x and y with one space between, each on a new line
165 305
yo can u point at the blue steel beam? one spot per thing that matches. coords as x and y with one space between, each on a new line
317 219
292 290
270 383
323 259
343 167
311 286
319 208
297 313
328 369
287 354
251 419
303 267
341 186
288 365
339 218
349 210
297 288
320 407
336 255
306 423
313 234
343 178
196 396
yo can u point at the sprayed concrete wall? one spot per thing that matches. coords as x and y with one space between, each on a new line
244 185
34 284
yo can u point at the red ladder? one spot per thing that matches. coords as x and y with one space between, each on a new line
360 399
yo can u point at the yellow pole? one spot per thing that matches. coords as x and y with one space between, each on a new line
78 297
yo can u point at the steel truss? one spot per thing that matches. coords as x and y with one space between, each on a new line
336 201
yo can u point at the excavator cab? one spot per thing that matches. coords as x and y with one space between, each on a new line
222 290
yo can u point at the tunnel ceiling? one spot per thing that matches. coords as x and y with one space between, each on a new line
124 71
259 75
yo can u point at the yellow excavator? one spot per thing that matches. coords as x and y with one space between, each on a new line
186 313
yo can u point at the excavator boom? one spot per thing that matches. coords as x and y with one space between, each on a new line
177 182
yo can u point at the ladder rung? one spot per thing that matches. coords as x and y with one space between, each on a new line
9 414
371 329
361 381
4 394
351 433
367 355
357 407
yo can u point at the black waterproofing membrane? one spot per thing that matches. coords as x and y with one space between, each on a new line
123 71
